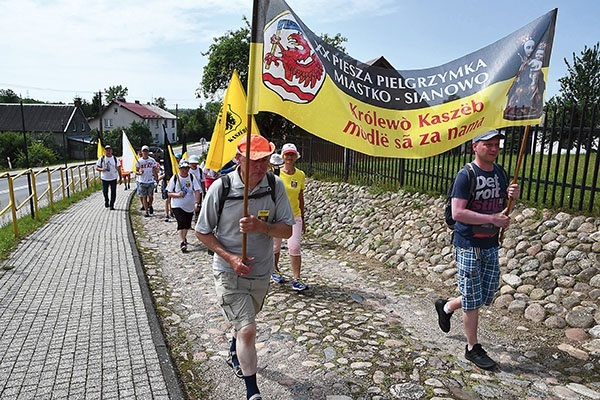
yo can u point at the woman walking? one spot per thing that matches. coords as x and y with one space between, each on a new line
294 180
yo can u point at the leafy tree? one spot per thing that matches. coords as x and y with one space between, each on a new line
579 92
115 93
582 84
91 110
228 52
38 154
8 96
160 102
10 145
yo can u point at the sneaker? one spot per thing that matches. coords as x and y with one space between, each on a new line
183 247
443 317
479 357
146 215
150 209
166 218
277 277
255 396
142 208
233 362
298 285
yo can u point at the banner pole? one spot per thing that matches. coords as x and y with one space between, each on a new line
516 175
246 180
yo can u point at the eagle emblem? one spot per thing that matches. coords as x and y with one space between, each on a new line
291 67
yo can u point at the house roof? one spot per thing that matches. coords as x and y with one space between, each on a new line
163 113
138 109
38 117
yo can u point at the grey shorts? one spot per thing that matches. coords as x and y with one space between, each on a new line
147 189
240 298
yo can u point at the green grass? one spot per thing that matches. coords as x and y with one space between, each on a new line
27 225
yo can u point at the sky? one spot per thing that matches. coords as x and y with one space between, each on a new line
56 50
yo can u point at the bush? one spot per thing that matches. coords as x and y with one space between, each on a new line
39 156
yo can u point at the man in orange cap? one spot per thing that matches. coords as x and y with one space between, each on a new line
242 284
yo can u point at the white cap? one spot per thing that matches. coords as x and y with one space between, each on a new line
276 159
194 159
144 147
289 148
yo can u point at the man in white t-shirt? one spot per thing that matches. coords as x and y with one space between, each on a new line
109 173
146 169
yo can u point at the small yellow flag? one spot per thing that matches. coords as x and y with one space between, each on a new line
100 151
230 127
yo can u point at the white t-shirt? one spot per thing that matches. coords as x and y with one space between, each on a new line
111 164
147 168
188 185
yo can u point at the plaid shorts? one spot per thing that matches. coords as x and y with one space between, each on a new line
478 276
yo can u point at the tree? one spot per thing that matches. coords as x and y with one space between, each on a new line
115 93
8 96
160 102
582 84
579 92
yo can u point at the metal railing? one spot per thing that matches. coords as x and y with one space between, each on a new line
44 187
560 168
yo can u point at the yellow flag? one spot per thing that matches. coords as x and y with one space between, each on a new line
100 151
230 127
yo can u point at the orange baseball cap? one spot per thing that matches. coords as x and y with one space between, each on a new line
259 147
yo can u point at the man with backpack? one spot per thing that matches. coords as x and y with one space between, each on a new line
479 209
242 284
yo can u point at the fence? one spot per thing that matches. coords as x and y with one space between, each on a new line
559 168
40 188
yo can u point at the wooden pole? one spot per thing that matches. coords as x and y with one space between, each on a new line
516 175
246 179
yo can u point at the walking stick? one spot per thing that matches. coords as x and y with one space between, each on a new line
516 175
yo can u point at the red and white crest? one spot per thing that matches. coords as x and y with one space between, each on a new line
291 67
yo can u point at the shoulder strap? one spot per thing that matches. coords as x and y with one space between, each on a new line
472 182
225 188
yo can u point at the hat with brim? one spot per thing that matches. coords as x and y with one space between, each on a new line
488 135
289 148
276 159
145 148
259 147
107 146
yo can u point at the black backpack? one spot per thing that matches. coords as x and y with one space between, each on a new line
448 206
226 187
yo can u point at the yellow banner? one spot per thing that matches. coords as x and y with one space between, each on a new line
380 111
230 127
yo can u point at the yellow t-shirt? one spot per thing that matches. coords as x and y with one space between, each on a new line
293 185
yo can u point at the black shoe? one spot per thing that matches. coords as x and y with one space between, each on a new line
479 357
142 208
183 247
112 208
233 362
443 317
146 215
150 210
105 205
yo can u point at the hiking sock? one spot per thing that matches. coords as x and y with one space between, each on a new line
447 310
251 386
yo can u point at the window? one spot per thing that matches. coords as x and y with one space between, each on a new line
108 123
116 110
156 123
83 127
173 124
74 127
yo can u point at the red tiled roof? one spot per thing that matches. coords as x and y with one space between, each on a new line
138 109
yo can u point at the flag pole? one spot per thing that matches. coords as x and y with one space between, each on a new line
250 105
516 175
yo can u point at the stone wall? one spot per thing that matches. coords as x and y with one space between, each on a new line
550 261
